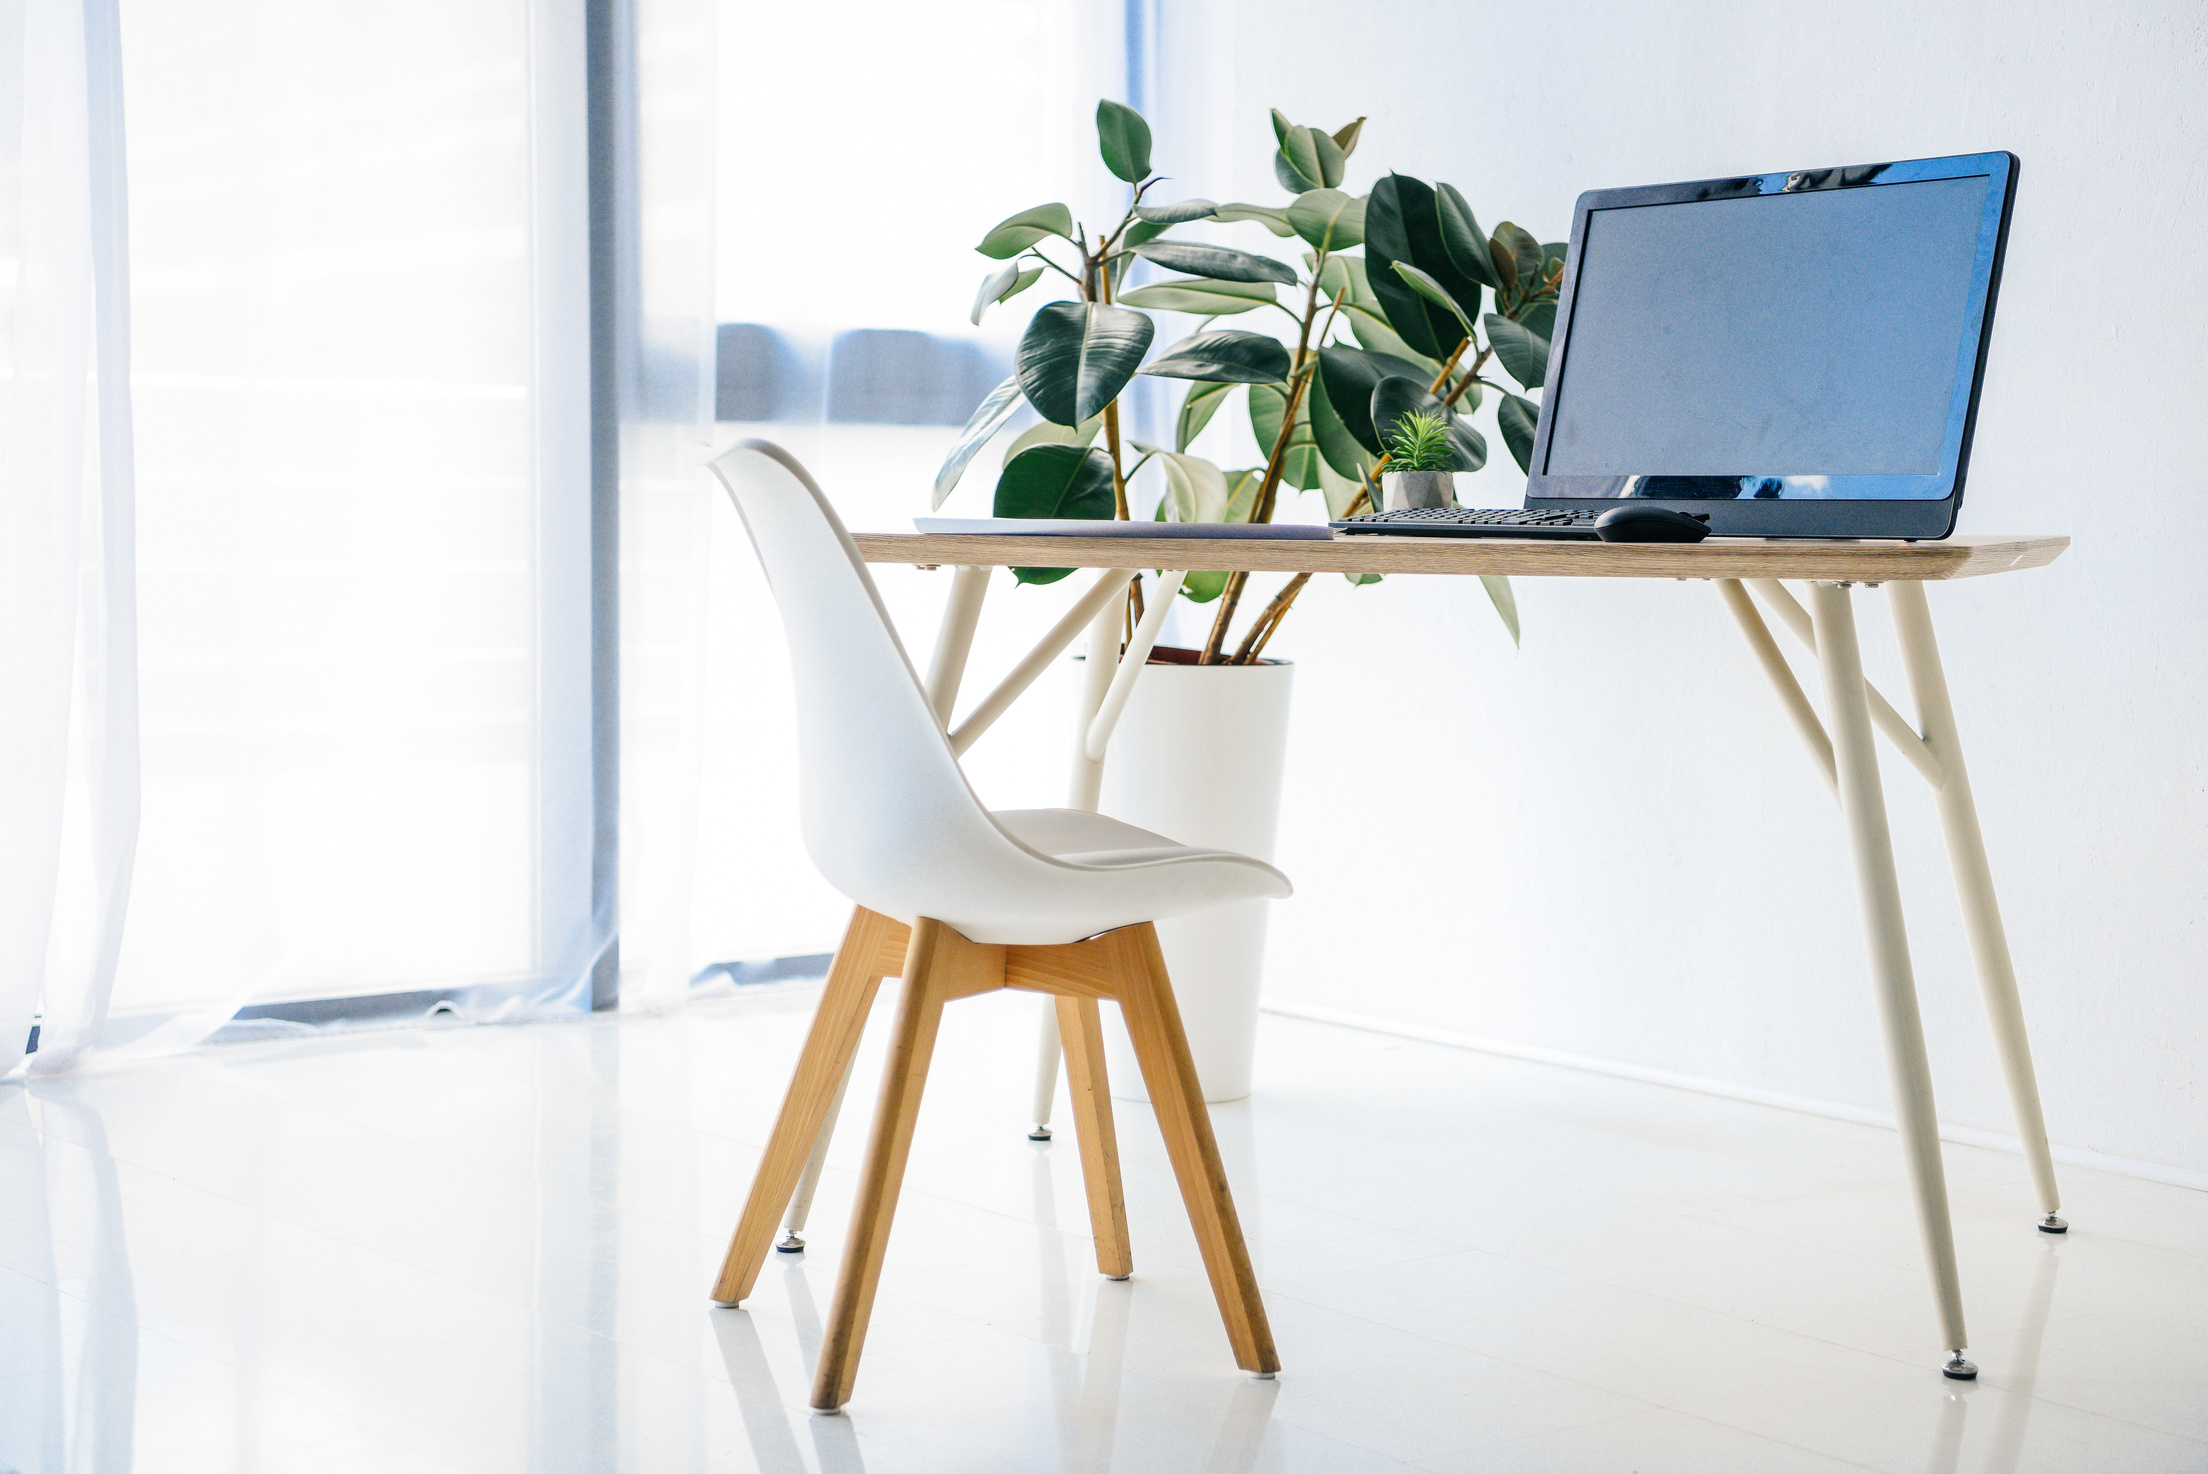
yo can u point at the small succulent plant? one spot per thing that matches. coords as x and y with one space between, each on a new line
1420 442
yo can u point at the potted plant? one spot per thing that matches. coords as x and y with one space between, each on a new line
1379 366
1422 464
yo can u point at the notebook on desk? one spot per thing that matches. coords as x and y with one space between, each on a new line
1085 527
1791 355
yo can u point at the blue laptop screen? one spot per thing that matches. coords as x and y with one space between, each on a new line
1798 336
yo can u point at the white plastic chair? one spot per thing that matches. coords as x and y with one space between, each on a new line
958 900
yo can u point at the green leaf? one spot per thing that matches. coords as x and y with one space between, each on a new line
987 421
1461 237
1297 165
1346 136
1281 126
1523 352
1015 233
1273 220
1539 318
1339 448
1083 434
1300 467
1349 376
1372 333
1076 356
1333 161
1124 140
1242 488
1142 230
1434 292
1524 254
1396 202
1200 295
1204 400
1009 282
1553 255
1220 263
1329 219
1055 481
1505 600
1393 398
1309 159
1196 490
1224 357
1177 214
1519 419
1340 491
1345 271
1202 588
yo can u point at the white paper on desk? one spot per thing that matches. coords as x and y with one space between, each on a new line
1082 527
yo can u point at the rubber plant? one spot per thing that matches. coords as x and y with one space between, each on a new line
1387 317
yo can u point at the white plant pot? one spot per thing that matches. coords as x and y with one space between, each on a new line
1197 758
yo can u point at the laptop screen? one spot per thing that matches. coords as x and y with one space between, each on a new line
1775 338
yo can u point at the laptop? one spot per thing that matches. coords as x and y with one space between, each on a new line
1786 355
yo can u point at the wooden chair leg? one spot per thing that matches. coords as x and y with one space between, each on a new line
936 967
1154 1024
1081 1027
853 978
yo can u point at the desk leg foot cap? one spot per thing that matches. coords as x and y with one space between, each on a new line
2052 1224
1959 1370
1262 1376
791 1244
827 1412
1040 1133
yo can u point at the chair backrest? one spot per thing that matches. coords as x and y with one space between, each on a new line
888 817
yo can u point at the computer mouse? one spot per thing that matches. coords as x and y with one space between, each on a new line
1651 525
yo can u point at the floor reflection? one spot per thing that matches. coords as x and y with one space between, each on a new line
70 1402
2006 1446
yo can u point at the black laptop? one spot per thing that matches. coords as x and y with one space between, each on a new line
1786 355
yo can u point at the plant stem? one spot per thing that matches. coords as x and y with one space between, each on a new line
1119 477
1228 598
1471 377
1441 380
1299 379
1260 632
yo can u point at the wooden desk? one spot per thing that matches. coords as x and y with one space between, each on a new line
1717 557
1840 743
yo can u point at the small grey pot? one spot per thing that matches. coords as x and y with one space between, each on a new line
1402 490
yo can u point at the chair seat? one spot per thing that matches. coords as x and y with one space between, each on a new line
1116 875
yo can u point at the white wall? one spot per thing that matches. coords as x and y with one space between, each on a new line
1609 842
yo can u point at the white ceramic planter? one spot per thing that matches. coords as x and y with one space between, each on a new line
1197 757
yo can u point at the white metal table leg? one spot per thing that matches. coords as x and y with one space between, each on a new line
1966 853
1084 787
1107 680
801 1202
1863 809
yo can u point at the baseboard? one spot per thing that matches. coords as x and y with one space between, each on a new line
1808 1105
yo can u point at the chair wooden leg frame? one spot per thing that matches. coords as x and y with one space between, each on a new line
938 965
1847 756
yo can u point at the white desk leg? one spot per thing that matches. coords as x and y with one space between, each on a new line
1966 854
1084 787
801 1203
1863 809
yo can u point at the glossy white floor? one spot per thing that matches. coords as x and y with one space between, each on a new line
488 1249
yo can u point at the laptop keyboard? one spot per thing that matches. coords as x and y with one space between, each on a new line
1535 522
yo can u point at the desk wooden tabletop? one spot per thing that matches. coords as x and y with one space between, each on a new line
1718 557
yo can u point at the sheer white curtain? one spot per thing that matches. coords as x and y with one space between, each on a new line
68 659
364 582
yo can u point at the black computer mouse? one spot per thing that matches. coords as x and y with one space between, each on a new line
1631 524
